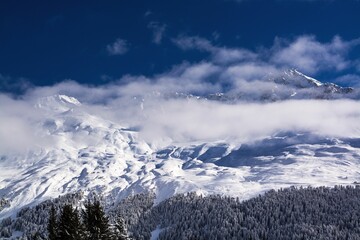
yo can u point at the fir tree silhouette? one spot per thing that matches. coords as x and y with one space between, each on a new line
52 224
70 226
96 222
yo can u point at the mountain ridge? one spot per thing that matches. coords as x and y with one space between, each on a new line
286 85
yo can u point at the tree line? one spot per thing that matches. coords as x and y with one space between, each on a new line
91 223
292 213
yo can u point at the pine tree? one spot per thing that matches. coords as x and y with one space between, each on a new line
120 231
96 223
36 236
52 224
70 226
89 220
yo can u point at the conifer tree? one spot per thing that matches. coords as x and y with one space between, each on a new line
120 231
52 224
95 221
70 226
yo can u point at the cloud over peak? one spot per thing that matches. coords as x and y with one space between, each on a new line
310 55
305 53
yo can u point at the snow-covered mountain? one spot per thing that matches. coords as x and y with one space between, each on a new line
88 152
289 84
286 85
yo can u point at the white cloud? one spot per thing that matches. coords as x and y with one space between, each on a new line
249 78
215 35
166 121
310 55
148 13
8 84
250 71
349 80
158 31
182 120
18 121
305 53
219 54
228 55
185 78
188 43
119 47
143 101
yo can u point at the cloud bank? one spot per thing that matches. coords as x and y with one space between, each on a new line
163 121
160 107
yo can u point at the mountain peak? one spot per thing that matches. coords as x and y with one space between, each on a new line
293 77
296 73
57 103
68 100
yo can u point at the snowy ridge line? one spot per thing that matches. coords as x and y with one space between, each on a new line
290 84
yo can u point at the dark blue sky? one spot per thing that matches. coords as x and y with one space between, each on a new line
48 41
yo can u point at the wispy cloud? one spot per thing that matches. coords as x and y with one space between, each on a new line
188 43
349 79
219 54
305 53
148 13
15 85
310 55
119 47
158 31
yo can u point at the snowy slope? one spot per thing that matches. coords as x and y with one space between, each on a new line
86 152
91 153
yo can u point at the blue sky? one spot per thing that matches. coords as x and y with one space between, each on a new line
91 42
